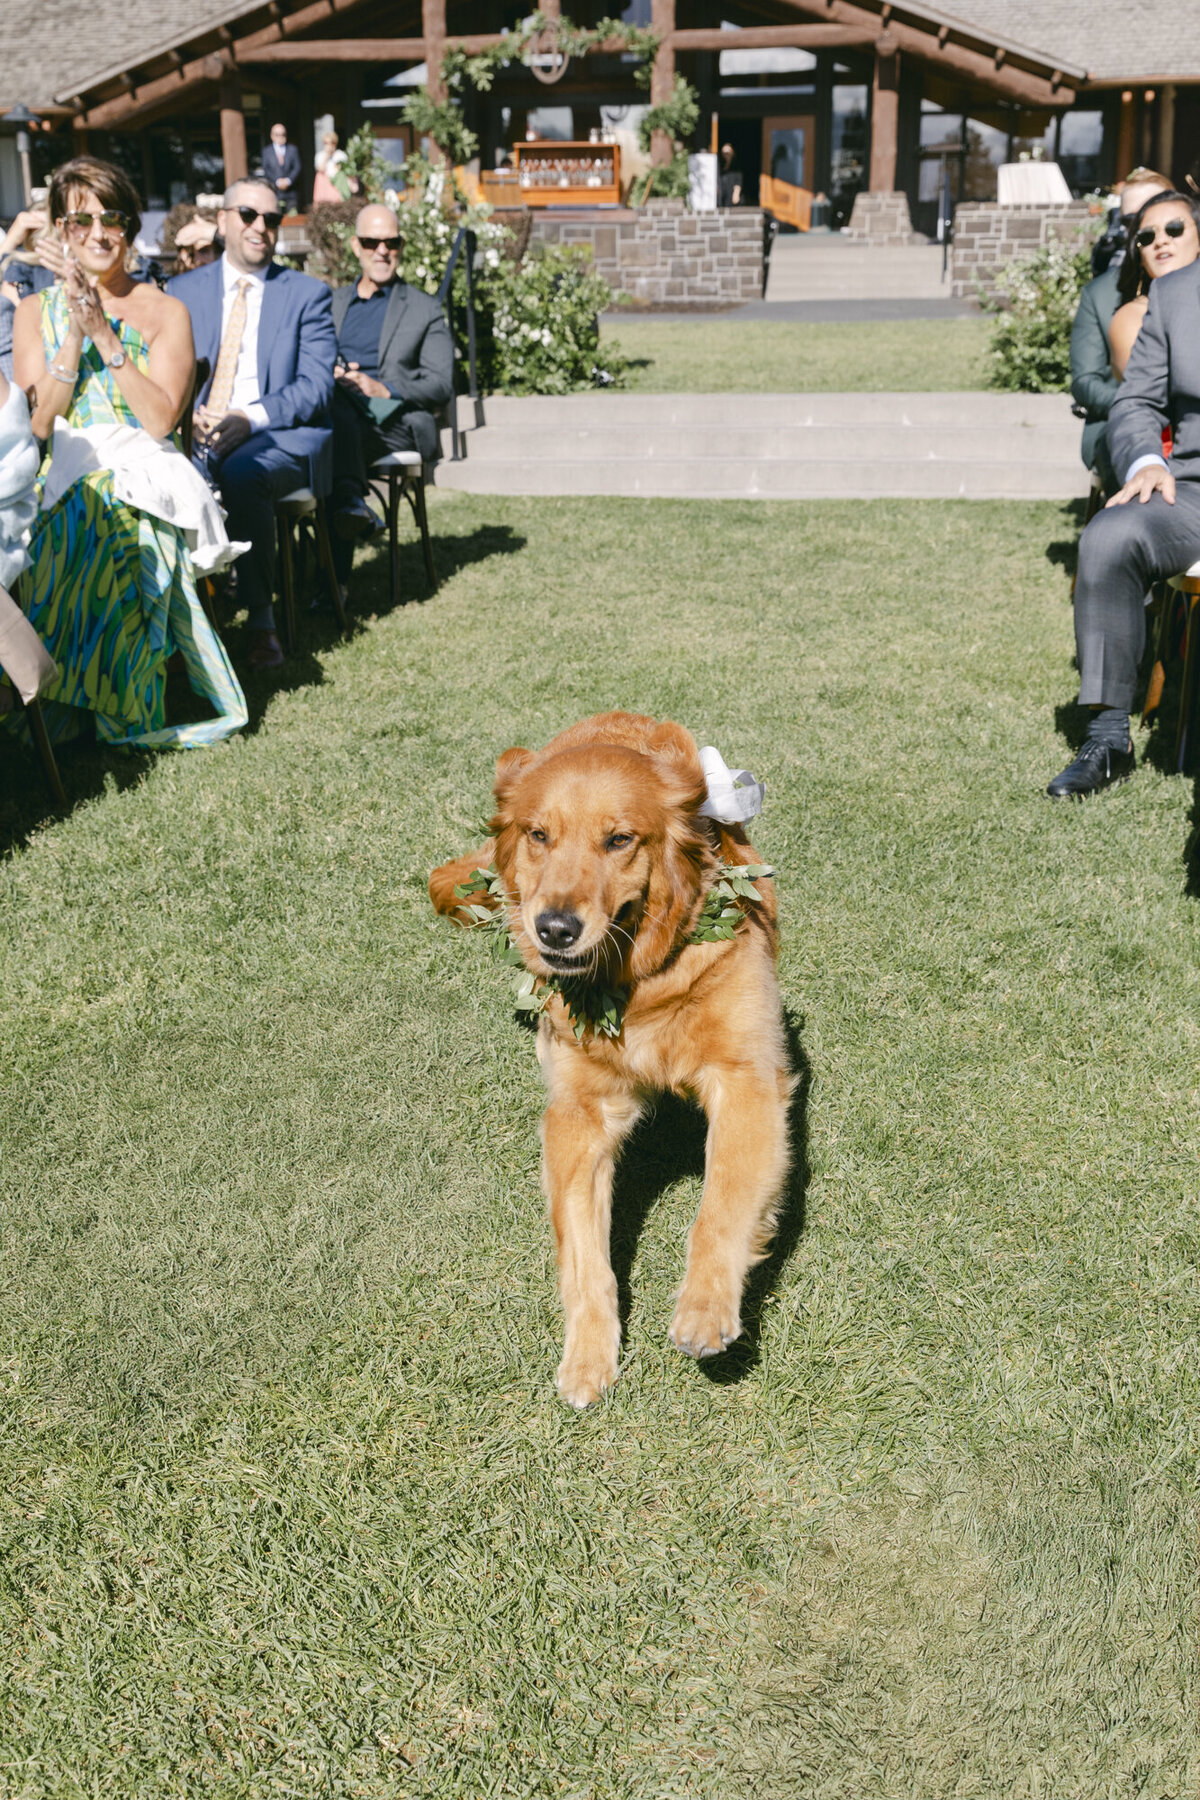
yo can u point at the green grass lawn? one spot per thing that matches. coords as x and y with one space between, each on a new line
290 1506
712 355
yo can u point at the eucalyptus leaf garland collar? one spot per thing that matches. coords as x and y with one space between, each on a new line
590 1005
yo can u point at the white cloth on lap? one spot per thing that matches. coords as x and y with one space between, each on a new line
19 460
148 474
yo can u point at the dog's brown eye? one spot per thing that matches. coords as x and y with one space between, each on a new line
620 840
537 835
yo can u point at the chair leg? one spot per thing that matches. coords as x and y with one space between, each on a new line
41 737
287 579
1165 602
393 520
416 499
325 557
1187 698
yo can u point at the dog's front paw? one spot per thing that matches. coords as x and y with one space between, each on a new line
706 1320
589 1366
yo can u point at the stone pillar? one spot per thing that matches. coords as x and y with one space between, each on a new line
885 118
662 78
233 128
433 29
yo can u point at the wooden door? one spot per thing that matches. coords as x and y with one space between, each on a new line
789 148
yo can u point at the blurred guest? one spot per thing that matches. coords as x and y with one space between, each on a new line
111 585
281 167
327 162
729 181
1093 384
196 244
22 272
395 370
262 420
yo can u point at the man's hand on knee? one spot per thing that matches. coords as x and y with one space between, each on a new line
1155 478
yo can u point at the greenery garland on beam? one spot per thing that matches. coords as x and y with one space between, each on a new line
442 120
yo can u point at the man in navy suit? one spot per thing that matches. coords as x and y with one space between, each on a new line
281 166
262 417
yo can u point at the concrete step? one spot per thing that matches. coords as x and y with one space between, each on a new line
977 411
830 268
717 478
523 444
783 446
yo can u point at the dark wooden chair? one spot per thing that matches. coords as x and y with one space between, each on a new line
304 511
402 476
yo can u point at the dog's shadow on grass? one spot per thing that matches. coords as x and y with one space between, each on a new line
669 1145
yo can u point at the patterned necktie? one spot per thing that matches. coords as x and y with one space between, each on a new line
221 392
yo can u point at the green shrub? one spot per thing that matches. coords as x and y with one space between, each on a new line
546 324
1030 348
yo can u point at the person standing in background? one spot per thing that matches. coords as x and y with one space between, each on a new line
281 166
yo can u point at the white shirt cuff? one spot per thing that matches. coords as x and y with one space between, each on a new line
256 412
1144 462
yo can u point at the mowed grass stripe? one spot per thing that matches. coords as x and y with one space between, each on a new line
289 1503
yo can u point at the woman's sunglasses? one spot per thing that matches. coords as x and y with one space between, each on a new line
79 224
393 243
248 214
1173 228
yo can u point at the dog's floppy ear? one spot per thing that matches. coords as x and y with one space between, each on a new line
678 878
510 766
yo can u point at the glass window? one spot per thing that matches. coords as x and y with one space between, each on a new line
1080 143
848 148
554 122
987 148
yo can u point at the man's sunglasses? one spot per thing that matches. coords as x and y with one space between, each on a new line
79 224
248 214
1173 228
393 243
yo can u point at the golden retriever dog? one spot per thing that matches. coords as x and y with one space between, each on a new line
604 861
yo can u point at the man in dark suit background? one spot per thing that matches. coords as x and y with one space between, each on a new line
1094 387
281 166
395 369
262 417
1149 530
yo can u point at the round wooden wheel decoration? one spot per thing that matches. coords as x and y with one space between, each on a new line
547 59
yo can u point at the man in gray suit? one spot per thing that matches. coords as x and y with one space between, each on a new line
395 369
1150 528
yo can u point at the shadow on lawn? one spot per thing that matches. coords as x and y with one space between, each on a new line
669 1145
88 770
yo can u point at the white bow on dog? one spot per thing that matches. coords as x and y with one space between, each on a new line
734 796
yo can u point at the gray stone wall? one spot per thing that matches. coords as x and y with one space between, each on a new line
663 255
988 235
882 219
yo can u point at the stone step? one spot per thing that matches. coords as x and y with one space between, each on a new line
977 411
829 268
717 478
523 444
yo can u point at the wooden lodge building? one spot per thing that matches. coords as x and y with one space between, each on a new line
845 95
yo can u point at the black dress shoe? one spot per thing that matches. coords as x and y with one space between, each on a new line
1096 767
356 520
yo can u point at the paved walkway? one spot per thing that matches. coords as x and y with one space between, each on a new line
777 446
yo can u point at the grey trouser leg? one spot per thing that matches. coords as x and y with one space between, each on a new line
1123 552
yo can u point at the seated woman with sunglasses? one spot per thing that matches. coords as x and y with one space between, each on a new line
1163 237
107 364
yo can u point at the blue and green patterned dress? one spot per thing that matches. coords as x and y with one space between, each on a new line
112 593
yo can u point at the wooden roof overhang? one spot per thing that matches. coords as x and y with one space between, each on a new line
282 35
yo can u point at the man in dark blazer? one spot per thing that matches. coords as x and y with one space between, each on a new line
1094 387
395 369
1149 530
281 166
262 417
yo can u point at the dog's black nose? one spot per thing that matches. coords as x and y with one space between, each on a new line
558 930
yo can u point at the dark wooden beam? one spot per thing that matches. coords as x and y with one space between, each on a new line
233 130
662 74
433 30
359 50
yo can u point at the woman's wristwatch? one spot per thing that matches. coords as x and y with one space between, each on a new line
117 360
